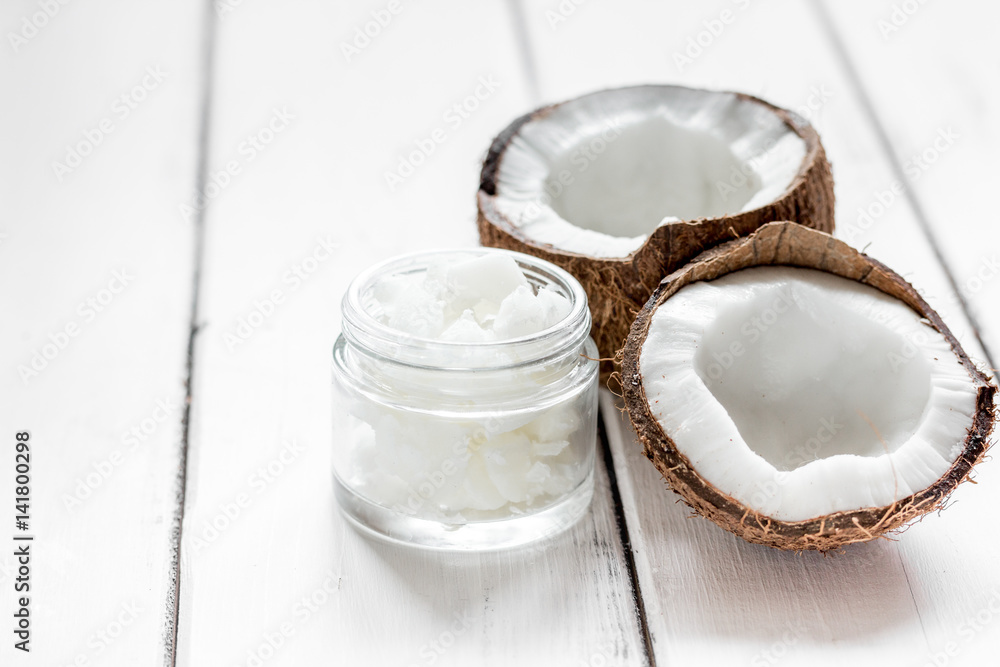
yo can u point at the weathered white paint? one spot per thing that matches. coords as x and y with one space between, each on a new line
327 129
108 230
323 176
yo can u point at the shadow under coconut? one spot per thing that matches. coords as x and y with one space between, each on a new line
711 584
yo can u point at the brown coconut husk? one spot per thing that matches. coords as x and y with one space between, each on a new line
617 288
788 244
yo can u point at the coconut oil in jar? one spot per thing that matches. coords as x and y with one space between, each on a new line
465 400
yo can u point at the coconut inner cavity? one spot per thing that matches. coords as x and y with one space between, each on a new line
800 393
652 170
805 377
598 174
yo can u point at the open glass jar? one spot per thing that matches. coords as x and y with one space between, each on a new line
462 445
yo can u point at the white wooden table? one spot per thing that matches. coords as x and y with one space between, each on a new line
181 496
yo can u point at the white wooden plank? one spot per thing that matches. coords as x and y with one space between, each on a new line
103 498
709 596
938 125
323 176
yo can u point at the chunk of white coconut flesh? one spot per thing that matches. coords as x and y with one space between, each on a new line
800 393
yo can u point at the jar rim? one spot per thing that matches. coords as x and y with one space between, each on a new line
363 330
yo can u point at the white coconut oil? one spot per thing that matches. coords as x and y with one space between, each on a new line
465 399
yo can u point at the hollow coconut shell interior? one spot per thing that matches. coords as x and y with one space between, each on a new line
789 244
617 288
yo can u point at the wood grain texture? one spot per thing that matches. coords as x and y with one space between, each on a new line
930 86
296 202
711 597
96 245
267 559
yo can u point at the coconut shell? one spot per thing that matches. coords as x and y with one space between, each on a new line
617 288
788 244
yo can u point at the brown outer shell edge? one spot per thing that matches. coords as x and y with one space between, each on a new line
617 288
784 243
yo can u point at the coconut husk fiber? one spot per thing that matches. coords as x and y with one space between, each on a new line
790 244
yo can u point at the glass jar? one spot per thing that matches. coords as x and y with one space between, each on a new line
464 445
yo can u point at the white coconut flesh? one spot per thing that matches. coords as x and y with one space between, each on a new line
596 175
800 393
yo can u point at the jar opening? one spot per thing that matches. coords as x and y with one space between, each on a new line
364 329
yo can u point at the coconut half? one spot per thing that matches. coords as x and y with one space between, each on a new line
801 394
621 187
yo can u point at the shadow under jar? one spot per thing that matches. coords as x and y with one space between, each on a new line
464 445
